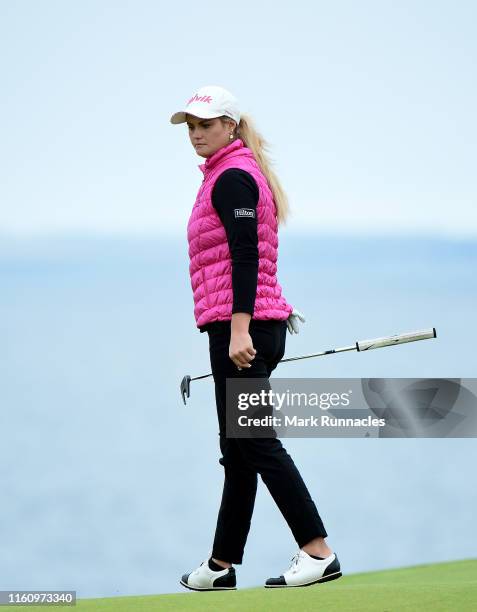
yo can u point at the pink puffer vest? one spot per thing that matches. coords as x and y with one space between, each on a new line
210 262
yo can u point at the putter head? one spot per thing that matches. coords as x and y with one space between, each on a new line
185 387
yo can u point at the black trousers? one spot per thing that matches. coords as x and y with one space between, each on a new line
244 458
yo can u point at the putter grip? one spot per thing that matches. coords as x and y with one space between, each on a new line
367 345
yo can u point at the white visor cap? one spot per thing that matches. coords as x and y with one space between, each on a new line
209 102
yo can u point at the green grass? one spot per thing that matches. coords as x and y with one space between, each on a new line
441 586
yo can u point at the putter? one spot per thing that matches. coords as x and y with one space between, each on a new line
360 346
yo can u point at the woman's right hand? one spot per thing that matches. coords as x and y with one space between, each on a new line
241 350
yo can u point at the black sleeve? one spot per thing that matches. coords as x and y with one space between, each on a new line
235 198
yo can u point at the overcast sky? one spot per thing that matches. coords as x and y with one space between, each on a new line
369 108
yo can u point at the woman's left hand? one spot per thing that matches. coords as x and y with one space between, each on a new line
241 350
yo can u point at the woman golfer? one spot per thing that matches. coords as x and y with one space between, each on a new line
233 239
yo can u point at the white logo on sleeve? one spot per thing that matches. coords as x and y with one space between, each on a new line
244 212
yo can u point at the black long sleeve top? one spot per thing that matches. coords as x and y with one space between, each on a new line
235 197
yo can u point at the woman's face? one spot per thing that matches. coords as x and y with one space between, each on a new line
208 135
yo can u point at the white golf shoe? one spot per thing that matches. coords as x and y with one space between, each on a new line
306 570
205 579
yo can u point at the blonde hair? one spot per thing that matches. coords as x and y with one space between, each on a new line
252 139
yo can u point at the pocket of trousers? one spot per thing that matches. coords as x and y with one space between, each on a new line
282 338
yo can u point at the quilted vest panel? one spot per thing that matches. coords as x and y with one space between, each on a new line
210 265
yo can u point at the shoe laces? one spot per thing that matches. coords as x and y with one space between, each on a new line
295 560
197 570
